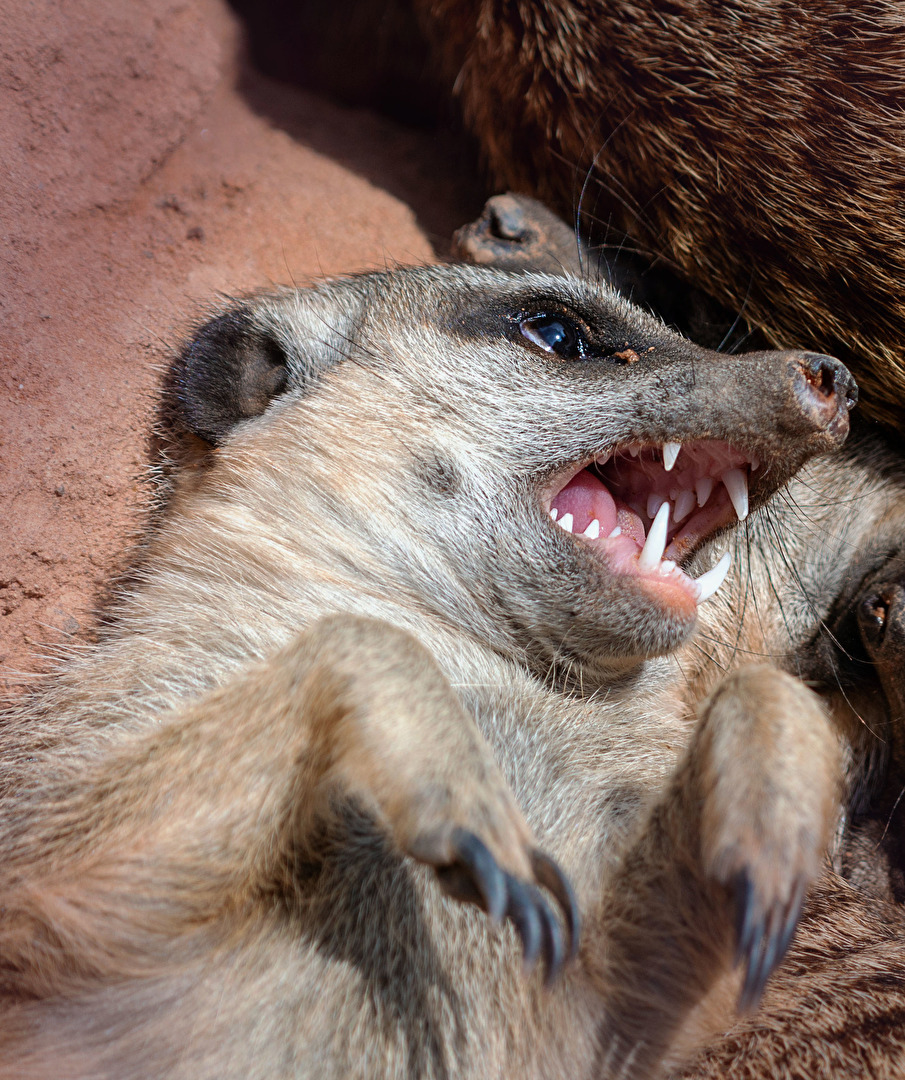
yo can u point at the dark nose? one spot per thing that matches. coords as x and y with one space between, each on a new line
825 388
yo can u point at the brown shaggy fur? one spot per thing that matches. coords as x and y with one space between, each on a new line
757 146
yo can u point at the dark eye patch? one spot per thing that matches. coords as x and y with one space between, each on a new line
552 325
555 334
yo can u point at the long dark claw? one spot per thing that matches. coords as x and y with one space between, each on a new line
763 939
475 876
745 927
522 909
793 915
552 944
758 968
548 874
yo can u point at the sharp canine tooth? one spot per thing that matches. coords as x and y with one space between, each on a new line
616 532
709 583
554 513
655 544
704 489
634 451
684 505
736 483
670 453
565 522
654 502
593 530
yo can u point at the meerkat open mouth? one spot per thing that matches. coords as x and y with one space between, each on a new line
643 508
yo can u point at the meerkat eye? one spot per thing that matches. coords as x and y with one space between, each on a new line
554 334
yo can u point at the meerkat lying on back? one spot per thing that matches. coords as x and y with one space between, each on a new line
364 674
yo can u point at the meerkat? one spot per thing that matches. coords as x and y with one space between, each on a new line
382 767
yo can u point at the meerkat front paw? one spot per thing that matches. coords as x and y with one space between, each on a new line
768 766
468 871
471 831
392 733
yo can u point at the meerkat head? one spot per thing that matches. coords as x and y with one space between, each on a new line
527 456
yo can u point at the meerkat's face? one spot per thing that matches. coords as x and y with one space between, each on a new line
556 455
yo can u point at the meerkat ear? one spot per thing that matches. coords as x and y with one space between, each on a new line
230 371
244 358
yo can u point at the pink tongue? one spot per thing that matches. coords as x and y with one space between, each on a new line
585 498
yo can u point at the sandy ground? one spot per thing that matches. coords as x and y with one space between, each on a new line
146 170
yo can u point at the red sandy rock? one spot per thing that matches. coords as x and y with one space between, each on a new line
136 182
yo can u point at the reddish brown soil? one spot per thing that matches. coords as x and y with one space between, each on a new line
140 176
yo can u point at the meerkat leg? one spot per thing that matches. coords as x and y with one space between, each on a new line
204 810
716 878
